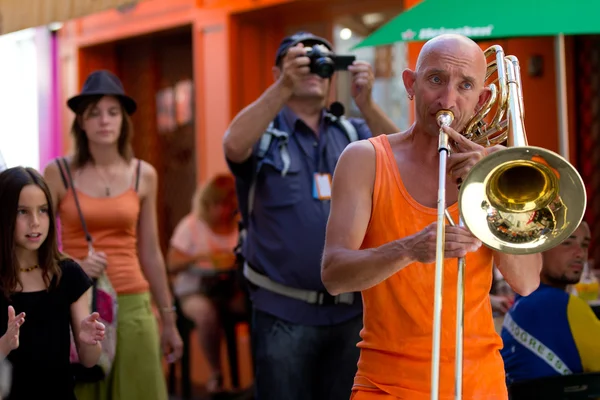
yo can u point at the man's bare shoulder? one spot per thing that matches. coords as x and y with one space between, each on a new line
402 146
358 158
363 151
400 141
359 148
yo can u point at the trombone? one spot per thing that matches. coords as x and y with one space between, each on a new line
518 200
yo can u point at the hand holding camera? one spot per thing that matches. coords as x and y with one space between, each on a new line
324 62
362 82
294 66
300 61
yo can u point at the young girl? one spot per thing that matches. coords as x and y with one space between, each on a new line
42 293
117 195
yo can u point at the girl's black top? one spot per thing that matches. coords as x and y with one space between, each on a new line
40 365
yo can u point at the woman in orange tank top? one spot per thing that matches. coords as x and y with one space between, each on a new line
117 197
381 240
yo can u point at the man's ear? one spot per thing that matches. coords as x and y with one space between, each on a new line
276 72
484 97
409 77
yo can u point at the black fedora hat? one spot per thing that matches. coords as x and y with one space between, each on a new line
105 83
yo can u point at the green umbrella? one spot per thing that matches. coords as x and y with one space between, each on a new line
483 20
480 19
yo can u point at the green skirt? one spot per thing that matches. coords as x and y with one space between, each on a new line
137 369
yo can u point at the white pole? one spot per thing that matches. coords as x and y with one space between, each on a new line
561 95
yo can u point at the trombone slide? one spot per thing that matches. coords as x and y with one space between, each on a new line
444 119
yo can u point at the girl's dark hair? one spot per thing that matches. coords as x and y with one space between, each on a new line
82 151
12 181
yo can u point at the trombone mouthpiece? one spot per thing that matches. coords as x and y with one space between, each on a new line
444 117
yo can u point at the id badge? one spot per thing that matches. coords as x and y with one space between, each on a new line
322 186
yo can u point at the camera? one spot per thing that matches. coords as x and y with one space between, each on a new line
324 63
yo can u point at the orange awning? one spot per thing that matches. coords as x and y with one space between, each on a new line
21 14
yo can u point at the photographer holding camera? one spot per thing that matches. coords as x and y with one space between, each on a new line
283 149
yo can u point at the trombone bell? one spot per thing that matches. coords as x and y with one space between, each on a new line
522 199
521 186
551 207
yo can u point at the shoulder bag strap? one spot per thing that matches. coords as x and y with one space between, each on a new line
88 237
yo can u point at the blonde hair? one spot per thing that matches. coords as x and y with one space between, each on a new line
219 189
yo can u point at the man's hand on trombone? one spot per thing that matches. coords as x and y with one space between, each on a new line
465 154
458 243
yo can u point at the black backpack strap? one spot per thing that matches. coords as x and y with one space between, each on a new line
344 124
263 147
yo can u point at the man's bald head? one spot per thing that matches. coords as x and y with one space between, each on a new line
452 44
450 75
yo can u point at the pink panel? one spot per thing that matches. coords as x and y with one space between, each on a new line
50 133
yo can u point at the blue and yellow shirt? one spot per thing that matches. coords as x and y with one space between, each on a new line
550 332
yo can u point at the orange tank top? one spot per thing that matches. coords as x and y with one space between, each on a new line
112 223
397 336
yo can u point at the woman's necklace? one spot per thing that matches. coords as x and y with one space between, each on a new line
106 183
29 269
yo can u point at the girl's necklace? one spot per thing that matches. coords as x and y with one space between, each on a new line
29 269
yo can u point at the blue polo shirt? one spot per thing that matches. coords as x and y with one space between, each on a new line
549 333
286 229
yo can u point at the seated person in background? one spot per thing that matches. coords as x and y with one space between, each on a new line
203 242
500 304
551 332
502 296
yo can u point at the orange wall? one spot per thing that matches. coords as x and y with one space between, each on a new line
211 70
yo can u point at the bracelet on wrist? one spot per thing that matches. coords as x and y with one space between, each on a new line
165 310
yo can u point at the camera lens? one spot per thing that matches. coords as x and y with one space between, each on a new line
324 67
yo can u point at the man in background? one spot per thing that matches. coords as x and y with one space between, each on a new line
283 150
551 332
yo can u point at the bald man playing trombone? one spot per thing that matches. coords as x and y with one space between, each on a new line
381 240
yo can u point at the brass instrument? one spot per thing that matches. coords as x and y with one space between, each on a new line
518 200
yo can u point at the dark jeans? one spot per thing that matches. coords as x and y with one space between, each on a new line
297 362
